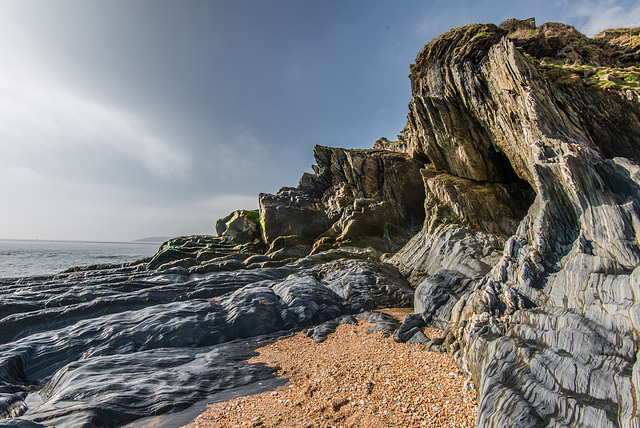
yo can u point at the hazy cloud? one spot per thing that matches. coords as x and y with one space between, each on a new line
603 14
47 122
239 155
219 204
38 207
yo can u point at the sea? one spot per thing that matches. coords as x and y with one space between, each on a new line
35 257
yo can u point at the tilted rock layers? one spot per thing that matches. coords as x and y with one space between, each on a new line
511 202
541 309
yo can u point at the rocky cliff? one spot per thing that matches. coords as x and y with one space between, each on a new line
530 249
507 212
525 144
356 198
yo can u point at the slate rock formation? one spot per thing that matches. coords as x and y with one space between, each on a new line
507 213
357 198
103 346
540 308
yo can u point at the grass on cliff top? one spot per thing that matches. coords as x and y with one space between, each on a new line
618 47
593 76
610 60
599 77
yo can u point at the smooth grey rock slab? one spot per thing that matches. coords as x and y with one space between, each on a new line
106 349
383 322
436 296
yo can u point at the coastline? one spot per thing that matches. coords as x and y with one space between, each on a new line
20 258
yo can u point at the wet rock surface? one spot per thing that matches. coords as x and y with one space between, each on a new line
104 347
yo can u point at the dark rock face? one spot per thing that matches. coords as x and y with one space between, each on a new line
436 295
190 251
319 333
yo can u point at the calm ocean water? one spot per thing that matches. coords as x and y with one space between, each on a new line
25 258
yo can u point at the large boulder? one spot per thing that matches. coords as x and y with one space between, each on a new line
240 227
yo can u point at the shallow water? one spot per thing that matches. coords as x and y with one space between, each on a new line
30 257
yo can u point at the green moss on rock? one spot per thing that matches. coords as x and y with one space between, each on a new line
471 42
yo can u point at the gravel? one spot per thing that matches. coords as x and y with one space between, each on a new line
353 379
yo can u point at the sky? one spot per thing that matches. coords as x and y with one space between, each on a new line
124 119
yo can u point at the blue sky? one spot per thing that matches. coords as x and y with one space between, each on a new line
123 119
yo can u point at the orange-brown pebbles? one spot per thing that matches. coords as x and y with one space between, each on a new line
353 379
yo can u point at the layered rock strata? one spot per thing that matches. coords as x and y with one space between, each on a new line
103 346
547 327
356 198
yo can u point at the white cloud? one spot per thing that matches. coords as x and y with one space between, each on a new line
71 164
39 207
45 121
196 217
603 14
221 205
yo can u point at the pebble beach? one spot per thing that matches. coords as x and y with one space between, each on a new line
353 379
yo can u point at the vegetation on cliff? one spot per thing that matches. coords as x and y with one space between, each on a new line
607 61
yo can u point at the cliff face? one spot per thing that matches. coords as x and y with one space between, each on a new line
521 155
541 308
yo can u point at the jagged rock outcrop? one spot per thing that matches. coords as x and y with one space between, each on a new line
548 330
360 198
241 227
188 251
